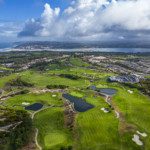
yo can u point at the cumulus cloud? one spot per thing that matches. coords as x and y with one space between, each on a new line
92 20
9 30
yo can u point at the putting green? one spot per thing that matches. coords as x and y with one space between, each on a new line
54 139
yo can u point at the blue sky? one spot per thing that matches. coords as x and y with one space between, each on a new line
21 10
75 20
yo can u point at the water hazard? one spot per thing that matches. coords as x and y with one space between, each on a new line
79 104
108 91
34 107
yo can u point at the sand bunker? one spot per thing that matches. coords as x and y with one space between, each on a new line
117 114
25 104
54 95
105 110
41 91
137 140
107 100
2 119
5 98
131 92
142 134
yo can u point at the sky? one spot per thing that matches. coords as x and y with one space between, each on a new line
74 20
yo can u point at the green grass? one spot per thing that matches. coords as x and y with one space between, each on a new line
74 70
42 80
4 68
97 130
52 134
46 99
94 130
147 76
53 139
77 94
5 79
136 108
78 62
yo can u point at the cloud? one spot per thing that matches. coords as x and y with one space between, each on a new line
92 20
9 30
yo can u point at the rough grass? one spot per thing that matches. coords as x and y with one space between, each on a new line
5 79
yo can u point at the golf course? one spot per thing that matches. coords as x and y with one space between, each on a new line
70 115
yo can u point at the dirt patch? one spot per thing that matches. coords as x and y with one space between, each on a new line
117 114
31 145
124 127
69 114
41 91
11 94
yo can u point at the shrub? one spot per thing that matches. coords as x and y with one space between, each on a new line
24 91
56 86
19 82
19 135
70 76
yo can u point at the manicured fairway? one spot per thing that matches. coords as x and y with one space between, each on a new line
101 131
136 108
42 80
46 99
95 129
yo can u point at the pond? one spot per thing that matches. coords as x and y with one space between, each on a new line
107 91
34 107
79 104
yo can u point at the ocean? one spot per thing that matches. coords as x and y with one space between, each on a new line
124 50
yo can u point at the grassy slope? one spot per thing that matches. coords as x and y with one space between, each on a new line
52 134
78 62
4 68
96 130
41 80
32 98
5 79
136 108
